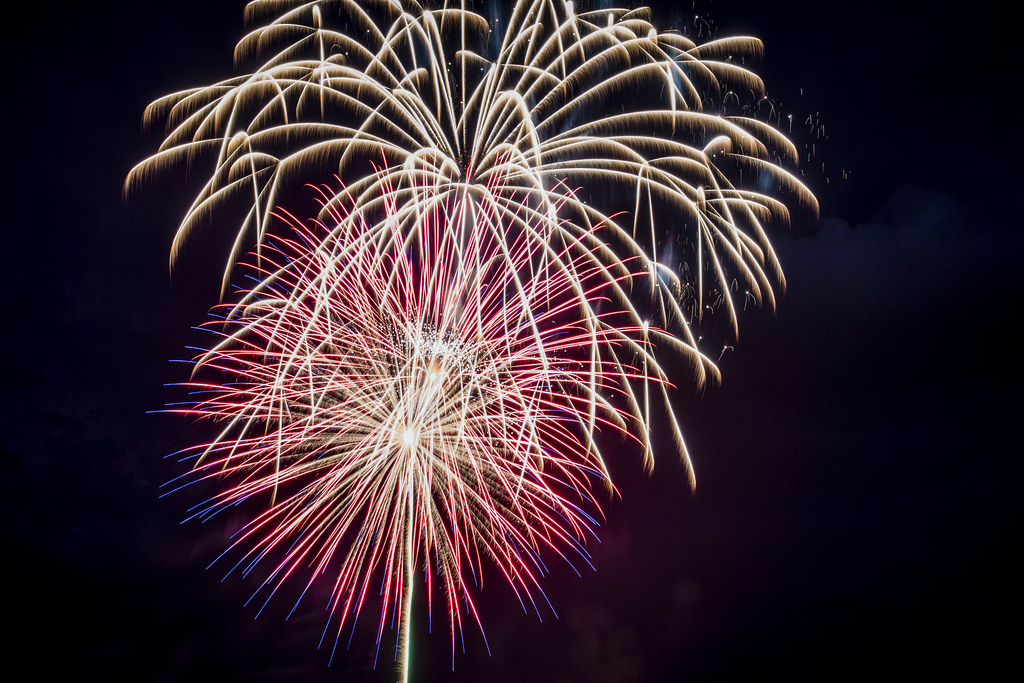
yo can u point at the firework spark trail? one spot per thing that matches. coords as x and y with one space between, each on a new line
416 400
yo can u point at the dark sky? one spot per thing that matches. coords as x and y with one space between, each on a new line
858 470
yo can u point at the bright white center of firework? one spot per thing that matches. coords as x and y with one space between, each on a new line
439 352
410 436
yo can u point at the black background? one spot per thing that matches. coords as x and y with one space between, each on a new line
856 511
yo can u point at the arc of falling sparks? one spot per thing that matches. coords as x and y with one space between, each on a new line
584 99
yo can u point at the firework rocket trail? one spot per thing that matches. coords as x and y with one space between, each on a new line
415 402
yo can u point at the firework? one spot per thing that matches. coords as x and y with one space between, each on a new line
418 383
415 401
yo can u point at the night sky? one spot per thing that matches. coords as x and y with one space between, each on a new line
858 470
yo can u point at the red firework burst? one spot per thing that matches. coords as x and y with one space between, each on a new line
419 394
